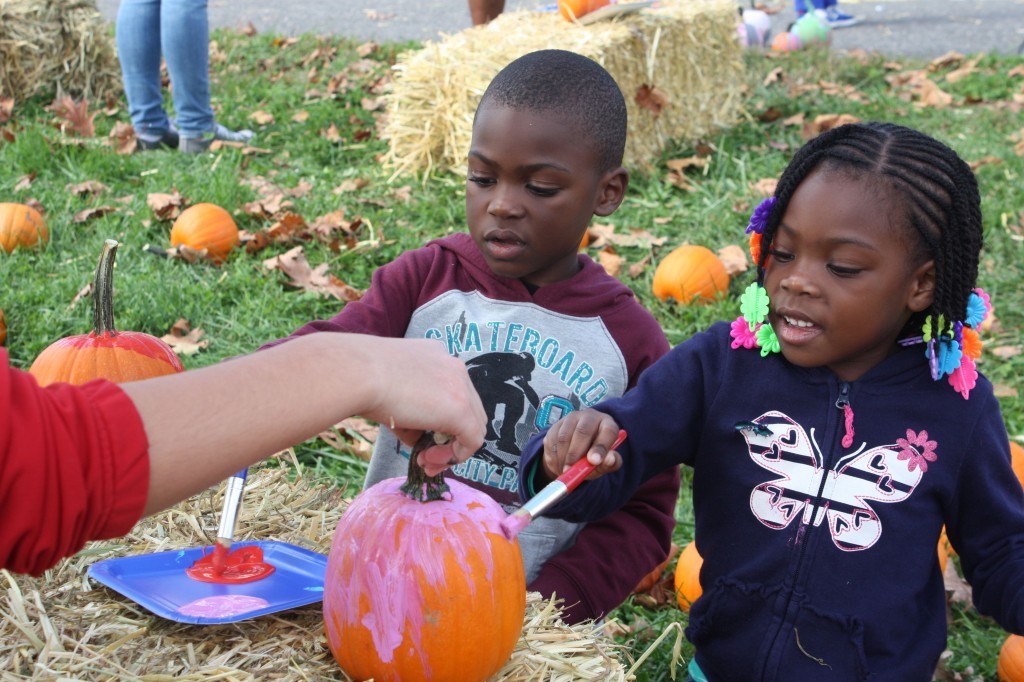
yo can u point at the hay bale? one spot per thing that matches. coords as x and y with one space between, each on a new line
63 626
685 50
52 48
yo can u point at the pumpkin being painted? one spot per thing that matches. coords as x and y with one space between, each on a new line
21 226
206 226
690 273
418 591
104 353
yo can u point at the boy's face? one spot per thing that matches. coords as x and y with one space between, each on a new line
840 276
531 189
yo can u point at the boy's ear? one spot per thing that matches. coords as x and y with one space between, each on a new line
611 191
922 293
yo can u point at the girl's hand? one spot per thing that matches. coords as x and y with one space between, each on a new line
584 433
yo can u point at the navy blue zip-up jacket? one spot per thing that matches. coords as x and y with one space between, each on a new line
820 561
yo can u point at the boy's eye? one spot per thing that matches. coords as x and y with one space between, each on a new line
542 191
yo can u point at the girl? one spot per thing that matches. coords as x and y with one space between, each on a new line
833 429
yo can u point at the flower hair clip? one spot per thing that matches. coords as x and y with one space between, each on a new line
953 351
749 329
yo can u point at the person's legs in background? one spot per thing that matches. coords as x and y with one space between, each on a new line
185 40
482 11
138 49
826 11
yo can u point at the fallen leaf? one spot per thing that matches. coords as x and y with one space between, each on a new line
331 133
931 95
824 122
366 49
93 213
82 293
951 58
24 182
610 261
765 186
291 227
6 108
293 263
88 187
75 114
261 117
184 340
776 75
975 165
734 258
957 589
165 206
1004 391
1005 352
123 139
301 116
794 120
651 98
1016 71
253 242
681 165
966 70
351 185
637 269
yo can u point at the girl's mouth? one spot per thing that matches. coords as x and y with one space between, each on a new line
795 330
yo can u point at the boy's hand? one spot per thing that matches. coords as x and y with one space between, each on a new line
584 433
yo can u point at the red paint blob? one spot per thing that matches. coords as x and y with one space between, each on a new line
242 565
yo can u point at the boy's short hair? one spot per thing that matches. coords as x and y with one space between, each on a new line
573 86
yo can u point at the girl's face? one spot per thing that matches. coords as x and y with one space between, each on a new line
840 276
531 190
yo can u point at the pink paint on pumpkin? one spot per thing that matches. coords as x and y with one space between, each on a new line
421 541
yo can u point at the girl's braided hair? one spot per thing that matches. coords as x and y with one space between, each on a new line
934 188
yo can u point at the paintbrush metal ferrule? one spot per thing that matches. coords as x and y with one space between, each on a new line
232 505
547 497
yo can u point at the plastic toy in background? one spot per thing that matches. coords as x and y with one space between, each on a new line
574 9
754 28
811 30
786 42
589 11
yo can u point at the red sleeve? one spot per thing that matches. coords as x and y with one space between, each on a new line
74 467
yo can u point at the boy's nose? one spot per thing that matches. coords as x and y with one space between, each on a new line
503 204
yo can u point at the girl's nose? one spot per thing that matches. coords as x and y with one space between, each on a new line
799 284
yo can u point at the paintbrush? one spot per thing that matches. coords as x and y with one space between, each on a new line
229 517
553 492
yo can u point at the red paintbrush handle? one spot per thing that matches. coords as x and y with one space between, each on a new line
582 468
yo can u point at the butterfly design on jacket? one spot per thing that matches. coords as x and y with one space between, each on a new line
856 481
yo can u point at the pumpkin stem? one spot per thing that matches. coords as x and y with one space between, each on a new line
418 485
103 291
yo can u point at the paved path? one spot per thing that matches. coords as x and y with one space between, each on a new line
923 28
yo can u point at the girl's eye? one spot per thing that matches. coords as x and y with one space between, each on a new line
542 191
780 256
481 180
844 272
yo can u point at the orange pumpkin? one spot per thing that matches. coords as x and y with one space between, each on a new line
3 328
585 241
21 226
104 353
412 586
687 578
690 273
206 226
574 9
1010 667
1017 455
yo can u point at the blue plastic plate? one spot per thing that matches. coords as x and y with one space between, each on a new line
159 583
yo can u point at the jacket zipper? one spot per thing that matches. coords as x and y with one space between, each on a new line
843 403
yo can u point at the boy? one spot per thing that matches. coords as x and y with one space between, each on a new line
543 330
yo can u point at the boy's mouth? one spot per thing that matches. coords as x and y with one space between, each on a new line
504 245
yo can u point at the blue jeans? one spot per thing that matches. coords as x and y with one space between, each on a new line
178 30
803 5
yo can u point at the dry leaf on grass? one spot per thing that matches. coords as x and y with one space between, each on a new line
734 258
294 264
184 340
610 261
765 187
88 214
165 206
75 115
87 187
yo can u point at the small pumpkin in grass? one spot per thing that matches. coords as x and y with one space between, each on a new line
417 577
1017 460
1010 666
104 353
21 226
690 273
3 328
206 226
687 578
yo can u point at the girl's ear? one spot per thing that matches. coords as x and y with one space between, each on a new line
922 293
611 191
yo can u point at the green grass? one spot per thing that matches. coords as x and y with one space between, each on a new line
241 304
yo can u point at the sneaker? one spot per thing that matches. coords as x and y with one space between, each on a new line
833 18
198 145
150 142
